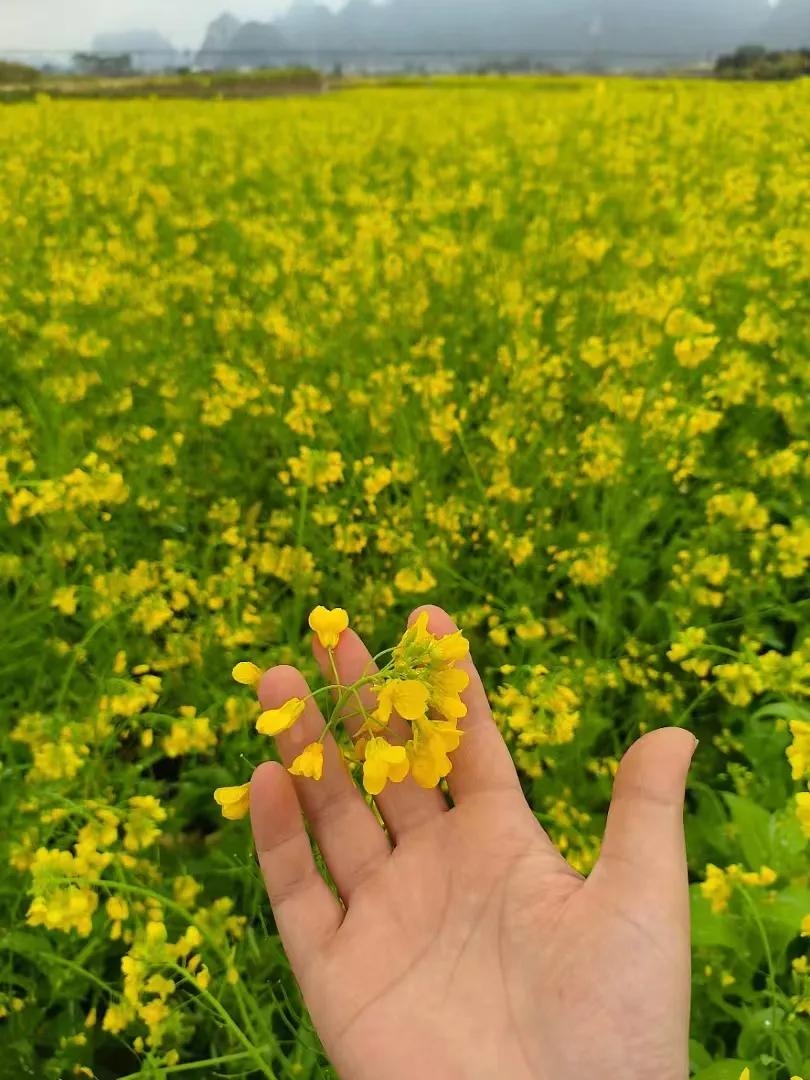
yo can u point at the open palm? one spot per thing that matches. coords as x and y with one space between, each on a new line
465 946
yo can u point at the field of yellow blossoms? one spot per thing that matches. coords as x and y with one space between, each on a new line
535 351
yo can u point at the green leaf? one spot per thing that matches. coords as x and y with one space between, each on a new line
707 928
699 1056
789 842
753 830
32 944
783 710
725 1070
757 1031
789 908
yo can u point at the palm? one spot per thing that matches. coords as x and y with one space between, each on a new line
471 949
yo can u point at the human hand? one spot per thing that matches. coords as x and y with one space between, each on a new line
465 946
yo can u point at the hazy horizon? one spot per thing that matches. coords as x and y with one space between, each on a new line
40 25
46 25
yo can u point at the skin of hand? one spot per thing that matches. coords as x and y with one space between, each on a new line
465 947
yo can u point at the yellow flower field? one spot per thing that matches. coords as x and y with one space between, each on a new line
537 351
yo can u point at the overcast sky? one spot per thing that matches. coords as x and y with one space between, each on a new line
60 24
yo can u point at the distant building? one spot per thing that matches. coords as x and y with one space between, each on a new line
148 50
111 65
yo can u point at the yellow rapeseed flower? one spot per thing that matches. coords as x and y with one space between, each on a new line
446 686
235 801
429 750
383 762
413 581
64 600
247 674
117 908
803 811
799 751
328 625
274 721
309 762
409 698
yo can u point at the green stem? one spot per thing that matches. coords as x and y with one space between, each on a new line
322 689
692 706
212 1002
721 649
474 471
299 541
225 1059
88 637
769 957
362 708
342 701
138 890
78 970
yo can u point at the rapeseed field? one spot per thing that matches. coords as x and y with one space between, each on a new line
536 351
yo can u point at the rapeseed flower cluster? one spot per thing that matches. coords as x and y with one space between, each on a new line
420 683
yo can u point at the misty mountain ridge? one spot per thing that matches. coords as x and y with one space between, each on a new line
633 27
613 28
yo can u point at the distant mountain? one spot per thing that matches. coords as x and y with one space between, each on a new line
309 26
231 44
479 28
692 27
255 45
788 26
150 51
218 38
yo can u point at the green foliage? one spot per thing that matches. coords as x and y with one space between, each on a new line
755 62
12 74
539 356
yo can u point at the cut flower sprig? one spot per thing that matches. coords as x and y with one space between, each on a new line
417 681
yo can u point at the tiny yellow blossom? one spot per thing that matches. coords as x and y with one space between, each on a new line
451 648
764 876
64 600
803 811
716 888
116 1018
235 801
274 721
446 687
117 908
798 752
411 581
409 698
328 625
429 750
247 674
309 762
383 762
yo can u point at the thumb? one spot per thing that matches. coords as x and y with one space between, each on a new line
643 852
